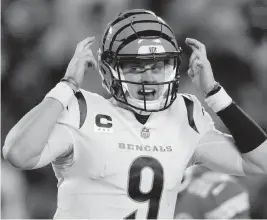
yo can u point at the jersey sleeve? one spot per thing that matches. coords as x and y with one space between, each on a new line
58 146
217 151
229 200
75 113
198 118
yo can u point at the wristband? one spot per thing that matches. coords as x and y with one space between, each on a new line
71 82
219 100
216 88
61 92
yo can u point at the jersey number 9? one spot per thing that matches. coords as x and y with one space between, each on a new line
154 195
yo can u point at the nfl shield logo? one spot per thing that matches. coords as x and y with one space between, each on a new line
145 133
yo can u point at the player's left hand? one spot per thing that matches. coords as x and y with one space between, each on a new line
200 70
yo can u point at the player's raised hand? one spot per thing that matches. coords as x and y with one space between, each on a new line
200 70
82 59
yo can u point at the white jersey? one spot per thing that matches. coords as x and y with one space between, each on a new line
120 168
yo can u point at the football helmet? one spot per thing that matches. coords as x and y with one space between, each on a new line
138 35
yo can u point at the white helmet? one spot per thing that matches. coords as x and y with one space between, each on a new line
138 35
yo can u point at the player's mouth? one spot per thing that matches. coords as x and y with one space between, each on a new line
148 93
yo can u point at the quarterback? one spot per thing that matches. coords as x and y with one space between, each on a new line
125 157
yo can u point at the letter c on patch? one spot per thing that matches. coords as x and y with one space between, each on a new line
103 121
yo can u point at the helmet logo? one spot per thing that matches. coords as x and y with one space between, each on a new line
152 49
145 133
144 49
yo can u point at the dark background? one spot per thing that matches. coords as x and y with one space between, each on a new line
38 40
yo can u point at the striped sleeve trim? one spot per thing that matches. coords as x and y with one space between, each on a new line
190 113
82 107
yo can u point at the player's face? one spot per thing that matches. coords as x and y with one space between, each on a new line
146 72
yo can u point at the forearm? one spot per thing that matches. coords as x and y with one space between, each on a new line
247 134
249 138
254 162
28 137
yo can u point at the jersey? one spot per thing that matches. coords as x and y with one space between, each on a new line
120 168
213 195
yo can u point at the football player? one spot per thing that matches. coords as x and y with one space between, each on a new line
205 194
125 157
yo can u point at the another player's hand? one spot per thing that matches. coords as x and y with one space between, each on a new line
82 59
200 70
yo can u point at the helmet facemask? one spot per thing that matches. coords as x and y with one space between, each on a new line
119 47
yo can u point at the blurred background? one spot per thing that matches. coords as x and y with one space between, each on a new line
39 38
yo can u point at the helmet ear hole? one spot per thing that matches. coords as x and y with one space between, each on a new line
105 57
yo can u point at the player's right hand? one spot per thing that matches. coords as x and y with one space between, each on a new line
82 59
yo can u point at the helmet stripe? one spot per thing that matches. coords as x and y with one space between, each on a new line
145 33
133 34
118 19
135 22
